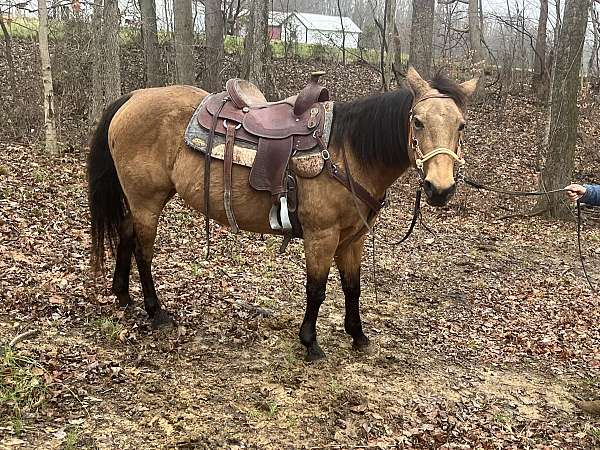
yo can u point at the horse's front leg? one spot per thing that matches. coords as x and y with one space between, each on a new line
348 262
319 249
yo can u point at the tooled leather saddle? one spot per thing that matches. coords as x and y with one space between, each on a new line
277 140
242 115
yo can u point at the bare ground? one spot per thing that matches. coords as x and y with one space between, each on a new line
483 335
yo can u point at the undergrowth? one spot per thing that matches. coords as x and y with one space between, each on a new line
22 386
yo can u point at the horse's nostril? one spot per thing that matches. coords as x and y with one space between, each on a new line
428 188
437 196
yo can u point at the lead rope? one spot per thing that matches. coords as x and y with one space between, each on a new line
579 246
484 187
374 266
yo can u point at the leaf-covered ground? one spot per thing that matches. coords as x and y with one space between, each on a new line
484 333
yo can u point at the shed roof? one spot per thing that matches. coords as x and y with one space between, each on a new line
327 23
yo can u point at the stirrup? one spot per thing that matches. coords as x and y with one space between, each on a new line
279 216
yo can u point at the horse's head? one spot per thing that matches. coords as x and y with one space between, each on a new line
435 135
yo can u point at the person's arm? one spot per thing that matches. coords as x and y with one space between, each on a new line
591 195
587 193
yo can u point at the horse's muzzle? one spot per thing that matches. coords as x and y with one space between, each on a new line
436 196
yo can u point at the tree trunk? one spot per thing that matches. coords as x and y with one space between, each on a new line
184 41
8 51
49 112
97 100
256 61
475 40
593 61
540 78
390 43
421 37
111 75
339 10
564 113
213 61
151 49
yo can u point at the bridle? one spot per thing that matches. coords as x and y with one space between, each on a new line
416 154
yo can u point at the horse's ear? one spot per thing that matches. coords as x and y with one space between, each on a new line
416 83
469 87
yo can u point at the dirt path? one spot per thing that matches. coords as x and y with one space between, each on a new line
482 335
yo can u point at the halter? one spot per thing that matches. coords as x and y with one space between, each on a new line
417 156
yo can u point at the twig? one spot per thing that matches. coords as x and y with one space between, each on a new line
22 336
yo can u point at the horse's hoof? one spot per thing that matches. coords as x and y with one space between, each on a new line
124 300
360 343
162 319
314 353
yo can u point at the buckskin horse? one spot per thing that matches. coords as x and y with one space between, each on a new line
138 161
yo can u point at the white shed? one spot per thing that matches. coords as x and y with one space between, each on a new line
309 28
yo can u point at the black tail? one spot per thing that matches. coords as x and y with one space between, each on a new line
105 194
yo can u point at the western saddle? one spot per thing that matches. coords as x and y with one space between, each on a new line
278 130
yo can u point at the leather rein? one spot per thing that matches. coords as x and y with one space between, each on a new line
419 159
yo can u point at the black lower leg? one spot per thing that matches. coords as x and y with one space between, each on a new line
352 322
151 304
315 295
120 285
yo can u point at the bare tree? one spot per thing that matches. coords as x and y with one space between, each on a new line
390 41
421 37
593 67
184 41
97 97
339 10
49 112
256 61
111 75
540 77
151 49
8 52
213 61
106 66
231 13
475 36
564 113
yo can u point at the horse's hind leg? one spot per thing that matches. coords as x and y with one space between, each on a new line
348 262
120 285
145 222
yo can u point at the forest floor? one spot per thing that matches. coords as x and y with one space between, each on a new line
484 334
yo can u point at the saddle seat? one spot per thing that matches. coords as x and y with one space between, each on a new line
245 94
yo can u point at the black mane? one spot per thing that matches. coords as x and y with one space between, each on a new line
376 127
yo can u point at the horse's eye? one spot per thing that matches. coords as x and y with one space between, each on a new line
418 124
461 127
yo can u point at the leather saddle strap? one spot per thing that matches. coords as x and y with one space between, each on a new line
361 192
227 169
207 158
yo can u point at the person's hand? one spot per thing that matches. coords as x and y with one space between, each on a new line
575 192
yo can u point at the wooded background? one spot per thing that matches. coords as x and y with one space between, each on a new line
548 50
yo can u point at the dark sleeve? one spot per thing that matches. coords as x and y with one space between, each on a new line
592 194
